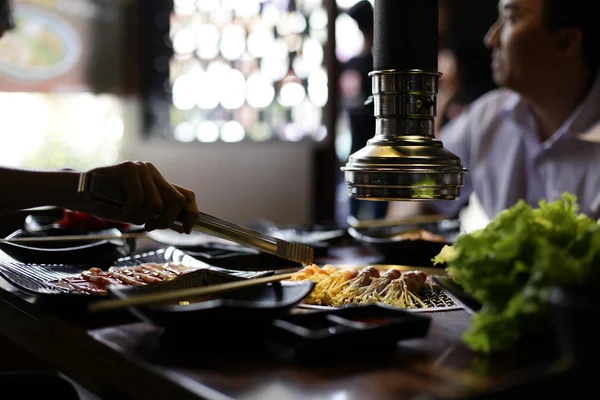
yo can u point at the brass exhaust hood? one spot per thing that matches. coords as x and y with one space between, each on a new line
404 160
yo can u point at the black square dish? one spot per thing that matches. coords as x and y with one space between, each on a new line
333 333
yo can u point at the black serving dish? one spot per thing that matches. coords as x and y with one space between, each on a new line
336 333
243 310
389 243
39 280
48 225
100 253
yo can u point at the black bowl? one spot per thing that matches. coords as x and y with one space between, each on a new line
47 225
242 310
101 253
388 242
573 310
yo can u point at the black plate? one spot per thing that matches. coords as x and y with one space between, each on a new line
219 252
369 328
319 237
454 290
35 279
101 253
237 257
386 242
47 225
241 310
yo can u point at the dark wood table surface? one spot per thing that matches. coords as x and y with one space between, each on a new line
125 359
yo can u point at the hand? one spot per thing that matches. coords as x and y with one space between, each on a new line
151 200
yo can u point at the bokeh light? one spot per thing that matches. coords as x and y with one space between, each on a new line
247 70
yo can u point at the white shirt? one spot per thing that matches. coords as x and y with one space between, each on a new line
496 141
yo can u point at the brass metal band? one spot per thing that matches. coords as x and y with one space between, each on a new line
405 93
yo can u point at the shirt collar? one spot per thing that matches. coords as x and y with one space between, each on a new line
511 103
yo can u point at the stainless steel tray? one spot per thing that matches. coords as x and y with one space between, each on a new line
436 300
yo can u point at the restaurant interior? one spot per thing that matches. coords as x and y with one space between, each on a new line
141 90
294 284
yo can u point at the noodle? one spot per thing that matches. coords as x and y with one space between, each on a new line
338 287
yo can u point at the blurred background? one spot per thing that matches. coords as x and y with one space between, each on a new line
243 101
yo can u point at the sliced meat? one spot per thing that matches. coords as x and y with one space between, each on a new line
126 279
96 280
158 272
84 286
103 279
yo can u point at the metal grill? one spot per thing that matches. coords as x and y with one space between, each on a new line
40 279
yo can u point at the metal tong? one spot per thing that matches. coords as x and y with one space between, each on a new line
98 188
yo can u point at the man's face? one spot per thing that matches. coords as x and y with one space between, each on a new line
521 45
6 17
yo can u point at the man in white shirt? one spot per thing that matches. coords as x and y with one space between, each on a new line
522 141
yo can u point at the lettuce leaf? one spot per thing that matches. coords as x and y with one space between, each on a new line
511 265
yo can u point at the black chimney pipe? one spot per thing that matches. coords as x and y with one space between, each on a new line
404 160
405 35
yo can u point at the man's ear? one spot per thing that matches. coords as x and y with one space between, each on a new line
568 42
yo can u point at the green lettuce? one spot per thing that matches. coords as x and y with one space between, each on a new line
511 265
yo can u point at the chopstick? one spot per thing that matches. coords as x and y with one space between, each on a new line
116 304
69 238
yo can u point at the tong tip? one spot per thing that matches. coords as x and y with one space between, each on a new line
300 253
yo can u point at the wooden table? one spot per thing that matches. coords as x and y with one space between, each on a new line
126 360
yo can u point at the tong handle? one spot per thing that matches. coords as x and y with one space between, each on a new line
98 188
109 192
236 233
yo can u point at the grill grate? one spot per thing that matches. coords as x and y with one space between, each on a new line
436 299
39 279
